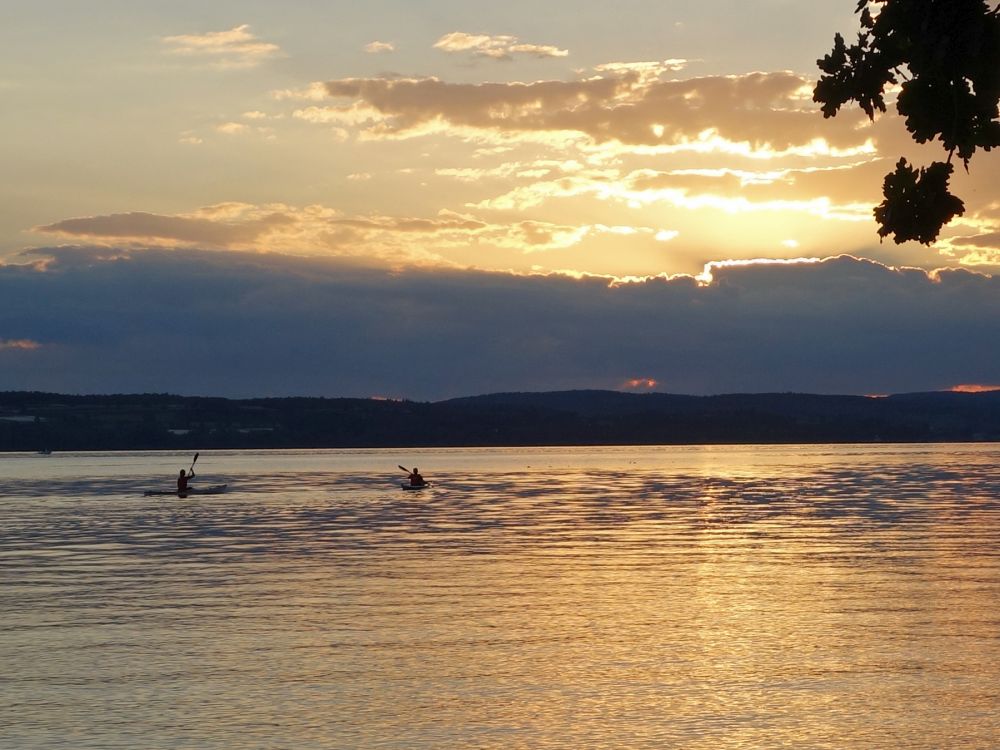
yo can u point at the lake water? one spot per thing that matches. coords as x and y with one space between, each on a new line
653 597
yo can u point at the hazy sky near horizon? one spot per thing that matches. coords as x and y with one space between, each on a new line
649 179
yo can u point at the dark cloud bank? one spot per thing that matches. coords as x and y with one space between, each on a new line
235 324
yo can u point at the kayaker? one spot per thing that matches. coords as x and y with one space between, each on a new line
182 481
415 479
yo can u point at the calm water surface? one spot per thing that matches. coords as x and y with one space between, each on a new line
696 597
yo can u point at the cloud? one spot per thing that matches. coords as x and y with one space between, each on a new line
845 192
754 114
146 227
377 47
501 47
232 49
638 384
974 388
19 344
524 236
973 250
531 169
316 230
648 71
232 128
614 240
856 182
313 92
115 319
750 150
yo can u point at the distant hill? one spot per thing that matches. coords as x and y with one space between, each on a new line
31 421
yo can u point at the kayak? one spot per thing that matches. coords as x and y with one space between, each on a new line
215 489
408 486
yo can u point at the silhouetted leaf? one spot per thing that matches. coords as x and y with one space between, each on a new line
917 203
950 51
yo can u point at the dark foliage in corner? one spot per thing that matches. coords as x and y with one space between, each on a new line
945 57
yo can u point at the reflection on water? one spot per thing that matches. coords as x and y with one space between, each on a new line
725 597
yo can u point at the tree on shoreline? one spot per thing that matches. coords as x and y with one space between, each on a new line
945 57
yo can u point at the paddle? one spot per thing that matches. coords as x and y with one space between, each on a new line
194 462
404 468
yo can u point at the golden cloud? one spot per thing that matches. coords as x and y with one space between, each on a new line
633 384
856 182
234 48
707 276
231 128
316 230
677 194
500 47
376 47
974 388
990 241
179 230
756 112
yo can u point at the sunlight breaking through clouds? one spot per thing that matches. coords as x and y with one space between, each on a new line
707 276
538 193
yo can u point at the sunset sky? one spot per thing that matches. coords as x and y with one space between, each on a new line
435 199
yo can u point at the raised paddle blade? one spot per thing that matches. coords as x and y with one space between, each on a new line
404 468
194 462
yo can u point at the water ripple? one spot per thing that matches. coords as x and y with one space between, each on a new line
806 597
